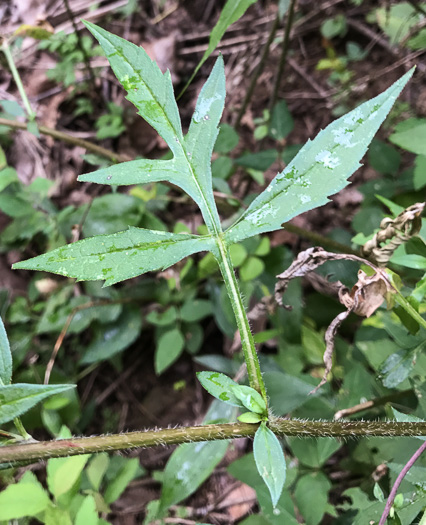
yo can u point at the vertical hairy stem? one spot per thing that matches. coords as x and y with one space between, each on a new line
16 77
247 342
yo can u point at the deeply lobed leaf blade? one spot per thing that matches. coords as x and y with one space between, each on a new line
119 256
320 169
148 89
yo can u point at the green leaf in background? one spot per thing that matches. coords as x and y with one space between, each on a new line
26 498
87 514
114 337
5 357
250 398
63 473
129 470
220 386
232 11
383 157
282 122
169 348
311 496
397 368
227 139
195 310
321 168
419 175
270 461
410 135
118 256
192 463
313 452
20 397
286 392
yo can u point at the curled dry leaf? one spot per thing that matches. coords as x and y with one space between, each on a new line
397 231
365 297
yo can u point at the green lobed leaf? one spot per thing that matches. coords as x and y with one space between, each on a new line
118 256
5 357
147 88
250 398
270 461
20 397
320 169
220 386
152 93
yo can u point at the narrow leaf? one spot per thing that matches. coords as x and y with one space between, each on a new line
250 398
320 169
5 357
232 11
147 88
220 386
249 417
118 256
270 461
20 397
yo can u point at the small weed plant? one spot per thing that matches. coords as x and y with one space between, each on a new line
320 168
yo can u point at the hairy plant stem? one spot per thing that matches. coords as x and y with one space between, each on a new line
65 137
35 451
247 341
17 78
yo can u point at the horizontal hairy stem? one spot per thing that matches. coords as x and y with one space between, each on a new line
35 451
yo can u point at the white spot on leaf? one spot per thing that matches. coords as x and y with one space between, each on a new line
327 159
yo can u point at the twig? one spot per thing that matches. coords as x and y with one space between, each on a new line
172 436
378 401
284 51
69 139
398 482
256 74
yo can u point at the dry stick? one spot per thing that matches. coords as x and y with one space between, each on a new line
258 71
173 436
398 482
65 137
378 401
284 51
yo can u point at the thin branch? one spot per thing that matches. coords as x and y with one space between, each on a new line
398 482
173 436
69 139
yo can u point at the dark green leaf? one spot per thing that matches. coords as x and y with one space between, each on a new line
20 397
115 337
311 496
195 310
118 256
227 139
270 461
313 452
169 348
321 168
5 357
410 135
397 368
282 122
